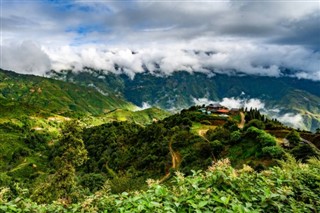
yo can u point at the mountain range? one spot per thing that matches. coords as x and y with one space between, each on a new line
295 101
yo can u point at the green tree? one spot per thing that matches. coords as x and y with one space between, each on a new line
62 184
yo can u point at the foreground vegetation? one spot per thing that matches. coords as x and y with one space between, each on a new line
290 187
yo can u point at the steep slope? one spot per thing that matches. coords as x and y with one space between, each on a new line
33 94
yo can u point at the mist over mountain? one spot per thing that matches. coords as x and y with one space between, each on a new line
295 102
231 37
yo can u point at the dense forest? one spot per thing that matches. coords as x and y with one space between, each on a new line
189 161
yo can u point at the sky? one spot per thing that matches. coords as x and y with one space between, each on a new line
261 37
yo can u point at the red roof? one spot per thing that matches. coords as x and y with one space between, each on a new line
223 110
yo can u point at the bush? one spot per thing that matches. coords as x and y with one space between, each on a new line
266 139
293 187
219 133
231 125
256 123
293 137
253 132
93 181
304 152
273 151
235 137
216 147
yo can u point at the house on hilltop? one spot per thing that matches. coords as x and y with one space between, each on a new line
217 108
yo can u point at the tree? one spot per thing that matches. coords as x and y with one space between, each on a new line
71 146
62 183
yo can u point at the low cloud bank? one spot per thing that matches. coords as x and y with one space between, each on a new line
233 102
230 58
290 119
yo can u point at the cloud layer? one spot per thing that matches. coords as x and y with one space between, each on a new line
291 119
233 37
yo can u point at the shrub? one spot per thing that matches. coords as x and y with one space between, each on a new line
293 137
231 125
253 132
273 151
256 123
304 152
93 181
266 139
216 147
219 133
235 136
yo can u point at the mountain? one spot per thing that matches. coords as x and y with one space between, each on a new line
32 94
284 95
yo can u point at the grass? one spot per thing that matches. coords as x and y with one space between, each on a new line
142 117
198 127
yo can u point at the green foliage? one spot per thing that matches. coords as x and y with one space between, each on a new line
293 137
219 133
304 152
60 185
273 152
71 145
71 154
93 181
37 140
235 136
216 147
255 123
291 187
231 125
266 139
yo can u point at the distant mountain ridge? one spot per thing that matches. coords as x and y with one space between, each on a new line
180 89
31 94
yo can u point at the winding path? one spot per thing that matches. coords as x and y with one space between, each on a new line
175 160
241 124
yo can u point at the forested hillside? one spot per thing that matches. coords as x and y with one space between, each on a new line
107 167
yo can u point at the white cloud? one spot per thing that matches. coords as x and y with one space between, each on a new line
26 57
232 102
250 38
145 105
290 119
294 120
243 103
201 101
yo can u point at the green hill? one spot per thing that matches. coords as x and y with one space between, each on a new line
141 117
37 94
